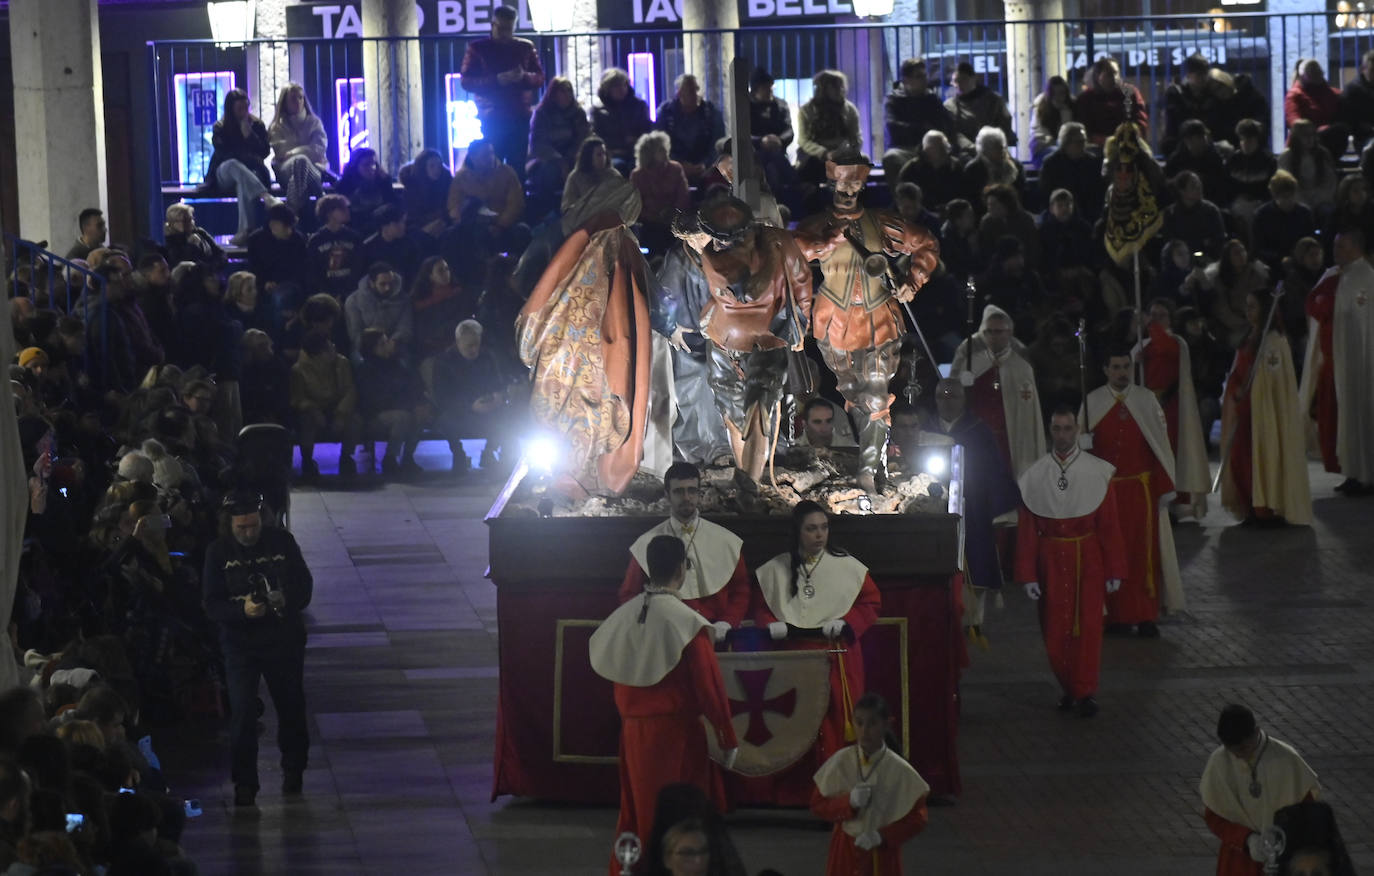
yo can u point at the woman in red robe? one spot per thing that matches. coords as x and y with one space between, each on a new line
814 587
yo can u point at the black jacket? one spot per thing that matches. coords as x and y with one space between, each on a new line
621 125
273 260
771 116
910 116
1081 176
230 143
1357 108
229 568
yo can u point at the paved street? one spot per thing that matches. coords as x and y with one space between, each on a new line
401 676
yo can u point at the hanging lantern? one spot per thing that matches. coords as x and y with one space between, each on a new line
872 8
551 16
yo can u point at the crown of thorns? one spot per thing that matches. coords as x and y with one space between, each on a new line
727 219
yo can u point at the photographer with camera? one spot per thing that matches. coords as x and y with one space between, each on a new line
256 585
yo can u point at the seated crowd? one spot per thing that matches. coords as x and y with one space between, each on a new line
394 319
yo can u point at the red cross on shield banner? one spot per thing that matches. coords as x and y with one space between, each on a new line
778 700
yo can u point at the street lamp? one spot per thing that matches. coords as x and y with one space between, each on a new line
231 21
873 8
551 16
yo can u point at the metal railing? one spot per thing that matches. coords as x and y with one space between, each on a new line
189 78
52 282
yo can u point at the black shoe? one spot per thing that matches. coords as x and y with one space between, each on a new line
1148 630
291 782
390 465
1087 707
245 795
309 470
1066 703
347 467
1117 629
411 468
1347 485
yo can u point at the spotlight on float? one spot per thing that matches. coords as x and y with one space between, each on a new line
935 465
542 453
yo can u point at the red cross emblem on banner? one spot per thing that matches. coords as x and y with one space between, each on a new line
754 682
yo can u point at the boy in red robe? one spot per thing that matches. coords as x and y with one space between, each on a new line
875 799
659 655
1129 433
1248 778
1069 555
718 583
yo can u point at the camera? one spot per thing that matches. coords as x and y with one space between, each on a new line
261 590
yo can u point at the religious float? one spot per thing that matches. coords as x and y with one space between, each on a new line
557 565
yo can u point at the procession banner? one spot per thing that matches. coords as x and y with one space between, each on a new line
778 700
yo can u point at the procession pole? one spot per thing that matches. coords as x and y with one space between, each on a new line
1082 335
1140 363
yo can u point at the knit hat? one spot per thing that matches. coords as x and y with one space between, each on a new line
32 356
167 470
135 466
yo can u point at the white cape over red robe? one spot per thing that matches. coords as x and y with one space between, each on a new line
1352 352
1145 410
1192 471
1020 398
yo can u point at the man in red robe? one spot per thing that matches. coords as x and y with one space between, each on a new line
1069 556
1129 432
658 654
717 585
1169 375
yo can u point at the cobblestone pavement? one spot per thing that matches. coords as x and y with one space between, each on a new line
401 676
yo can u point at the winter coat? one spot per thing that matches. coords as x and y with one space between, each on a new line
305 131
324 383
365 309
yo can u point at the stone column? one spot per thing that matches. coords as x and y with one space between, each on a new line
1035 52
1304 35
582 56
394 89
269 64
709 55
59 111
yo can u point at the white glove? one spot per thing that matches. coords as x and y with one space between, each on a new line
1033 589
1113 585
1255 847
731 755
1085 441
833 629
719 630
869 840
777 630
859 796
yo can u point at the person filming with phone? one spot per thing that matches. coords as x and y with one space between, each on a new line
256 585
